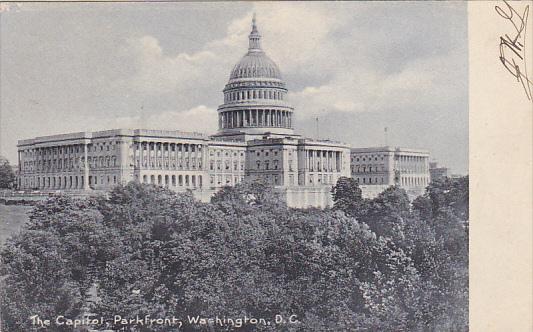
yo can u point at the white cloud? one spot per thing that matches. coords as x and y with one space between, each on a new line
200 119
301 39
427 82
157 73
295 35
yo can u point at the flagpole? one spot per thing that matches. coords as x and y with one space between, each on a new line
317 129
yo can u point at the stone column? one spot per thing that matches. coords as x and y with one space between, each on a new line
19 164
176 156
141 155
85 168
186 151
147 144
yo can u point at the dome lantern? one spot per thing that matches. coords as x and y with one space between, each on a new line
254 38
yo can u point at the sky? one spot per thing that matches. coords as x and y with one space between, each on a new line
356 66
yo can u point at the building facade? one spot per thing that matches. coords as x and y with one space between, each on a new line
437 173
255 141
377 168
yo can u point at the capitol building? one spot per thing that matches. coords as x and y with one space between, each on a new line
255 141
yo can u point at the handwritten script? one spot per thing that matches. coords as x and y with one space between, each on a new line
513 48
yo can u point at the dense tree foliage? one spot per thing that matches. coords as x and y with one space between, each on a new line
7 176
368 265
433 232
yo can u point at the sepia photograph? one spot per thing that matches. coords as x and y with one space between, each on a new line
239 166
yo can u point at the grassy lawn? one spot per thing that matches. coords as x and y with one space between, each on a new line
12 217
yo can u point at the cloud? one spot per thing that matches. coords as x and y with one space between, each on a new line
317 45
157 73
200 119
295 35
97 69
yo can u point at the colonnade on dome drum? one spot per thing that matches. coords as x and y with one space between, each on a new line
246 118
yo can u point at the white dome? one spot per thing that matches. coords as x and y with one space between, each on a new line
256 65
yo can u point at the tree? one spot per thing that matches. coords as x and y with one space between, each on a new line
201 259
386 214
151 251
347 196
49 266
7 176
436 239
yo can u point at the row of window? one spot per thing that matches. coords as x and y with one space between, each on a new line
193 163
180 147
70 163
107 146
236 165
275 163
367 158
224 180
321 179
254 84
66 182
226 153
173 180
253 94
266 153
254 72
367 169
369 180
